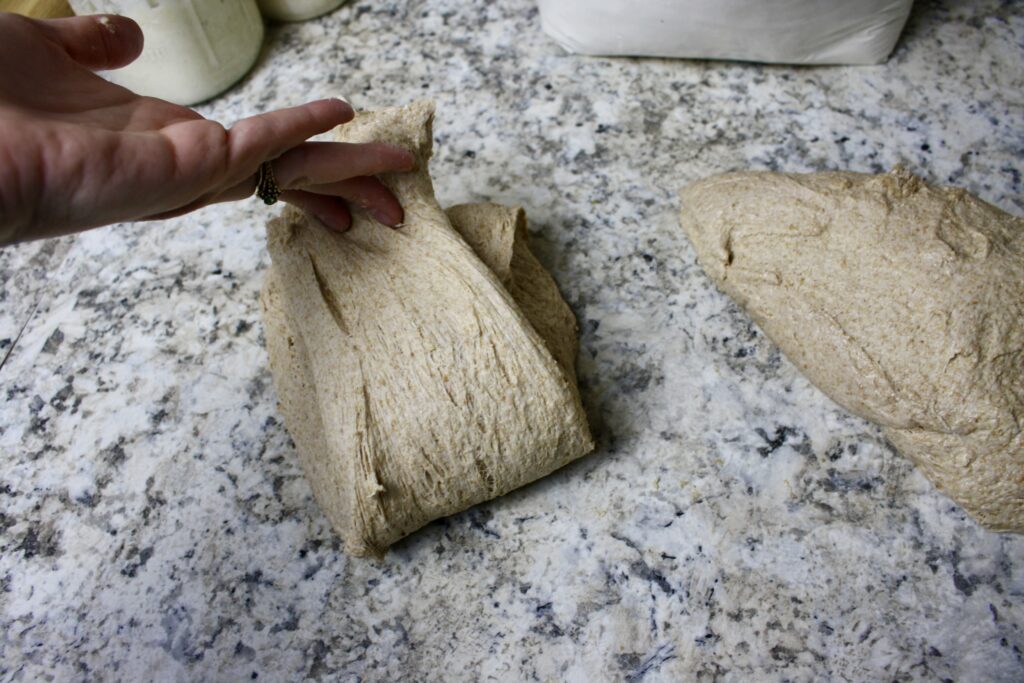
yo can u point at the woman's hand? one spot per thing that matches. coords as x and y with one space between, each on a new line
77 152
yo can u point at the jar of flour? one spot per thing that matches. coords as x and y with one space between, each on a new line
297 10
194 49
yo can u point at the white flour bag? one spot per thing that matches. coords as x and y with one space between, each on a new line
782 31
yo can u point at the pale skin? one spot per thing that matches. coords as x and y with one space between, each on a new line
78 152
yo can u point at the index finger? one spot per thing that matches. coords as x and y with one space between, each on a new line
258 138
318 163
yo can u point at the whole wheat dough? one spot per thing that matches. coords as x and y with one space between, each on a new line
423 370
902 301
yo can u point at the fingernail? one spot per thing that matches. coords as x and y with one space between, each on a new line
348 105
410 158
384 217
403 159
334 226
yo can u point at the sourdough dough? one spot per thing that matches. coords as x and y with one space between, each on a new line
423 370
902 301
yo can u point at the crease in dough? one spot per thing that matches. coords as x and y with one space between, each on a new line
423 370
902 301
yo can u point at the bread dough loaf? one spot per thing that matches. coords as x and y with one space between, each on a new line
902 301
419 371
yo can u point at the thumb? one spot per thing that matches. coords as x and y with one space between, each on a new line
99 41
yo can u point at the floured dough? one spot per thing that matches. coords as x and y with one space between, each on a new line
904 302
420 371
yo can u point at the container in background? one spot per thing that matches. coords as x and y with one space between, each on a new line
297 10
777 31
194 49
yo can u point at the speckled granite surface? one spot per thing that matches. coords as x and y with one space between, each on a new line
733 524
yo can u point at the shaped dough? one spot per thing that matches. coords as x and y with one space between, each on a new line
902 301
417 376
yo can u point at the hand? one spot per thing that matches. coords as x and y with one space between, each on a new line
77 152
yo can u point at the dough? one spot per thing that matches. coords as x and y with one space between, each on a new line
498 236
902 301
420 371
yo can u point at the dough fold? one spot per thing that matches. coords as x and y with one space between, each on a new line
422 370
902 301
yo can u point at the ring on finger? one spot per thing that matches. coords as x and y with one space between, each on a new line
266 184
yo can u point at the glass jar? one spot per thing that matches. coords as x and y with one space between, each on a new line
194 49
297 10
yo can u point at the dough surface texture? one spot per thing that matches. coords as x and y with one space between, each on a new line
902 301
422 370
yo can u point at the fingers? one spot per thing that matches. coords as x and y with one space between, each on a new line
327 202
330 211
319 177
101 41
369 194
268 136
336 170
318 163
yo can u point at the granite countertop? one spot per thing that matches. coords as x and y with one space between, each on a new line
733 524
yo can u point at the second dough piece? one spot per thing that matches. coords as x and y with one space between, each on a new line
901 300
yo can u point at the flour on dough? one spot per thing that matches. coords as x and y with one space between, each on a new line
902 301
423 370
